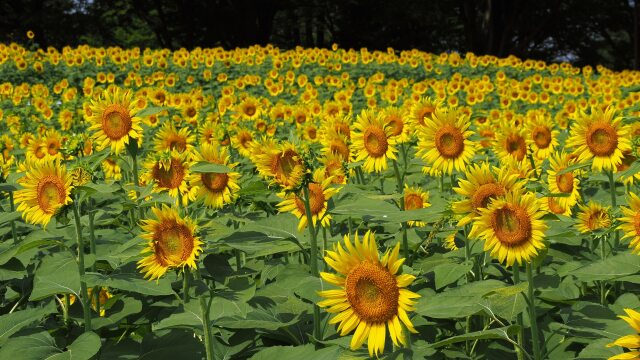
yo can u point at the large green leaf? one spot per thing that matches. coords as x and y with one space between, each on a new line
297 352
504 333
613 268
458 302
84 347
57 274
132 282
12 322
449 273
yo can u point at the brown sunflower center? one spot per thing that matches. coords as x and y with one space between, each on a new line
116 121
215 182
249 110
627 161
565 182
602 139
170 178
375 141
554 206
511 225
396 124
176 142
191 112
174 243
316 200
412 202
339 147
597 220
449 141
372 292
50 193
636 223
541 136
245 139
485 193
425 113
285 163
516 146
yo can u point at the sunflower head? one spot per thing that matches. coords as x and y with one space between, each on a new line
372 141
592 216
631 342
113 121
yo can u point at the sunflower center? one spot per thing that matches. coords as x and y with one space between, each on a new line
177 143
602 139
412 202
338 147
316 200
250 110
170 178
425 113
485 193
50 193
565 182
636 224
215 182
554 206
285 163
39 153
449 141
375 141
516 146
597 220
627 161
511 225
396 125
542 137
191 112
116 121
174 243
372 292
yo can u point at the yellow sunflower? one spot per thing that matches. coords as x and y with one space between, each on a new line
593 216
249 108
482 184
631 342
371 296
168 138
111 169
454 241
282 164
320 191
47 187
443 143
600 136
551 205
422 110
113 121
372 141
172 243
169 171
242 141
566 183
511 227
543 138
415 198
215 189
631 223
396 119
510 142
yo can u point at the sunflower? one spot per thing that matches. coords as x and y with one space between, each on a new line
216 189
170 171
47 187
543 138
415 198
113 122
511 227
566 183
111 169
443 142
242 141
249 108
171 243
631 342
592 216
627 160
320 191
334 168
371 296
454 241
282 164
600 136
396 119
423 110
631 223
510 142
169 138
482 184
551 205
372 141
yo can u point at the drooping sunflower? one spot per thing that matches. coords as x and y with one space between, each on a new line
543 138
551 205
396 119
511 227
320 191
371 296
282 164
172 243
422 110
565 183
372 141
113 121
631 223
593 216
600 136
215 189
443 143
631 342
415 198
111 169
482 184
47 187
169 171
454 240
168 138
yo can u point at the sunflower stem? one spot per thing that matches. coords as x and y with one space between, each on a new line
313 258
405 240
185 284
136 180
65 311
519 321
324 245
612 189
84 294
238 255
533 318
92 246
13 223
533 165
206 322
603 256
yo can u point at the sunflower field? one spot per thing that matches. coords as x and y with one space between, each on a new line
260 203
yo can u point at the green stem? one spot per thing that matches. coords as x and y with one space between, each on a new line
533 165
65 310
238 255
206 321
13 223
84 294
185 284
399 186
92 246
603 255
533 318
136 182
519 321
612 189
313 258
324 244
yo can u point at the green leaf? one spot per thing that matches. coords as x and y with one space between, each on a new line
632 170
449 273
613 268
458 302
57 274
575 167
132 282
365 208
257 320
152 110
9 216
40 346
12 322
297 352
84 347
209 167
504 333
